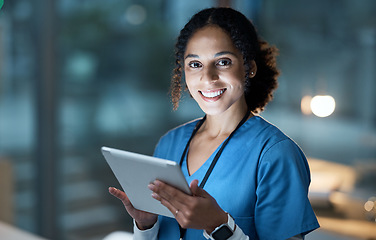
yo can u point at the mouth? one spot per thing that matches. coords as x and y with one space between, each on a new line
212 94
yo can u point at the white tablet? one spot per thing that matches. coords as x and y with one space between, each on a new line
135 171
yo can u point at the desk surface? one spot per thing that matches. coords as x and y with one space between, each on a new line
8 232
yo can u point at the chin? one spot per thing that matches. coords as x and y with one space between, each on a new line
213 111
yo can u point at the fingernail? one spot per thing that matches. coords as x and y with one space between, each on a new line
151 186
156 182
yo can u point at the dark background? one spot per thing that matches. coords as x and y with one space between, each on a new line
79 74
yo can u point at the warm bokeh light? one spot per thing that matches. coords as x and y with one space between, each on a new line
323 105
370 205
305 105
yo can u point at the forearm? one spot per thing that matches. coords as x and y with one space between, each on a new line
239 235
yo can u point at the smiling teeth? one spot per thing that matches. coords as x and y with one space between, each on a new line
212 94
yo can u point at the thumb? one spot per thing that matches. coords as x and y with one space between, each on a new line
118 194
121 196
196 190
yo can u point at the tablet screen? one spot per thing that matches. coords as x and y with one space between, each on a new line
135 171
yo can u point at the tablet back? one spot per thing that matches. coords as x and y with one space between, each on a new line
135 171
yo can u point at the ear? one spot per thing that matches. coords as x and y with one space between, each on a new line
253 69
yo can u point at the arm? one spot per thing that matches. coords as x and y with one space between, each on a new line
239 235
143 220
282 193
197 211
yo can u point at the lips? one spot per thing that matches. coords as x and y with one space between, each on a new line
212 95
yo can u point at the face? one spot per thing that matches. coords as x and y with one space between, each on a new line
214 71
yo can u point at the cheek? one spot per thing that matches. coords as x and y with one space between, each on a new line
241 78
189 81
237 81
192 92
189 86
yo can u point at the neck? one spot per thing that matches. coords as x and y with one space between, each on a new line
224 123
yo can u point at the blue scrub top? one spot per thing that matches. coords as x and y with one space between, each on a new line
261 179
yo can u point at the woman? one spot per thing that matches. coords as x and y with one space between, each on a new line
248 179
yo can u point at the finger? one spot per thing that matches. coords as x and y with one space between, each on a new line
172 198
117 193
196 190
120 195
174 210
166 203
168 193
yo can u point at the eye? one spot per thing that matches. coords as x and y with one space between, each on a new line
224 62
194 64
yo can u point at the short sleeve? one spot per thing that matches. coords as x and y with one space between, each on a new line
158 149
282 207
163 146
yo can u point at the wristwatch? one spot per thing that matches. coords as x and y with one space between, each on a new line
223 232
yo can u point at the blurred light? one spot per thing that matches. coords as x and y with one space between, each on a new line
369 205
305 105
323 105
81 66
135 14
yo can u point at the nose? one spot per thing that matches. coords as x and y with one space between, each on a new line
209 74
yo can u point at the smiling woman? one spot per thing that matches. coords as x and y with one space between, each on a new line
263 175
214 71
255 54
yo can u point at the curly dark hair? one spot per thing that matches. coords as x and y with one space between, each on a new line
258 89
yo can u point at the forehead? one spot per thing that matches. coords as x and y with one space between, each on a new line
210 39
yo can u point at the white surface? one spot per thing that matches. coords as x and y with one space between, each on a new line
8 232
119 236
136 171
323 235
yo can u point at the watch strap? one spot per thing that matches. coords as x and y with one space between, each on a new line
230 223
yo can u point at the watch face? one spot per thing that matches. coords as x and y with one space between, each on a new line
222 233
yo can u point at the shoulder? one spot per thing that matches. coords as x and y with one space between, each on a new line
268 129
174 139
180 130
264 133
280 154
274 142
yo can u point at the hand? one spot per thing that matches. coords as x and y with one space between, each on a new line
199 211
144 220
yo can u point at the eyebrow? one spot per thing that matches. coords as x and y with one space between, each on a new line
191 56
215 55
224 53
